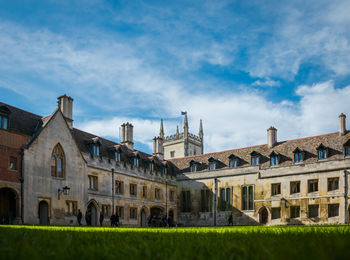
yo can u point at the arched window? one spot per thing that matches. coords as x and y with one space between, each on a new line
57 162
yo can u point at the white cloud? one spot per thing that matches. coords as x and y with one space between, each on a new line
267 83
238 120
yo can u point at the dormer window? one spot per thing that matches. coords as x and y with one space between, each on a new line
212 166
193 168
347 149
151 167
298 155
255 158
95 149
135 162
4 122
117 156
233 161
322 152
274 159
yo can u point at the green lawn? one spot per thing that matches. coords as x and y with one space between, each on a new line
287 242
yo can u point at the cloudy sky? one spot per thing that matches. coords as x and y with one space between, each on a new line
241 66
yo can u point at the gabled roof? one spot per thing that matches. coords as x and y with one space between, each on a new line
20 121
333 141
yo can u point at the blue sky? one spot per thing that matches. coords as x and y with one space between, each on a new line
241 66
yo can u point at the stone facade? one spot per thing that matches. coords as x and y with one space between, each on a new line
60 169
303 181
66 170
182 144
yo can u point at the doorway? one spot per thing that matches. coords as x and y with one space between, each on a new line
143 218
8 206
91 215
43 213
263 216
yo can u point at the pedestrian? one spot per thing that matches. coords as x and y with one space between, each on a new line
170 221
79 217
164 220
230 220
149 221
112 218
116 219
101 219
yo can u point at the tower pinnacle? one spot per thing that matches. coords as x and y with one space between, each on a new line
161 132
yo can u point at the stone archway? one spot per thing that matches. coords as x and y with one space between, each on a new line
156 216
263 216
91 214
43 213
8 206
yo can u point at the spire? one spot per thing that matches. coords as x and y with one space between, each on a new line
185 121
161 132
177 131
185 126
200 129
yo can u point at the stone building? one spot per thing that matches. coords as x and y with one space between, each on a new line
184 143
49 170
302 181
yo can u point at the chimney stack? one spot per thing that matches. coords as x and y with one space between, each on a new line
127 135
342 121
65 103
271 137
158 149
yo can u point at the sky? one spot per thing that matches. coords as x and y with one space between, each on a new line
240 66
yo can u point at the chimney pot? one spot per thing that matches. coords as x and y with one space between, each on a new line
271 137
342 122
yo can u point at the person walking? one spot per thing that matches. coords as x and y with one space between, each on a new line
101 219
79 217
230 220
116 219
112 218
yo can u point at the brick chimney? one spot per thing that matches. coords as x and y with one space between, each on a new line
271 137
127 135
342 121
65 103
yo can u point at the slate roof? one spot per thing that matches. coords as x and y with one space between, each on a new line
20 121
285 150
29 124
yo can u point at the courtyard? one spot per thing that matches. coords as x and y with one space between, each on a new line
259 242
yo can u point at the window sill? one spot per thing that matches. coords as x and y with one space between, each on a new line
58 178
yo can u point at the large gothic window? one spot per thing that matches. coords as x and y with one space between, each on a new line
57 162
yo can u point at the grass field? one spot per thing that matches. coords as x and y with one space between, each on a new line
287 242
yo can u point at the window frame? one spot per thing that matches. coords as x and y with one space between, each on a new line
273 189
133 213
93 179
118 187
297 187
133 190
311 183
331 182
72 208
3 119
273 211
13 161
333 210
310 211
247 204
157 194
57 155
294 212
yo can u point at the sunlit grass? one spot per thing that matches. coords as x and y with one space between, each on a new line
287 242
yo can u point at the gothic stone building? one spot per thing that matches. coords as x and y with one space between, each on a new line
49 170
303 181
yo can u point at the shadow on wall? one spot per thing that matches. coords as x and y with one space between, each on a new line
198 209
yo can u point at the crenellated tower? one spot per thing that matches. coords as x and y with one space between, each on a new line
184 143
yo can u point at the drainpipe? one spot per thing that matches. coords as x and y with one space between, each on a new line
215 199
112 191
21 179
345 196
166 199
